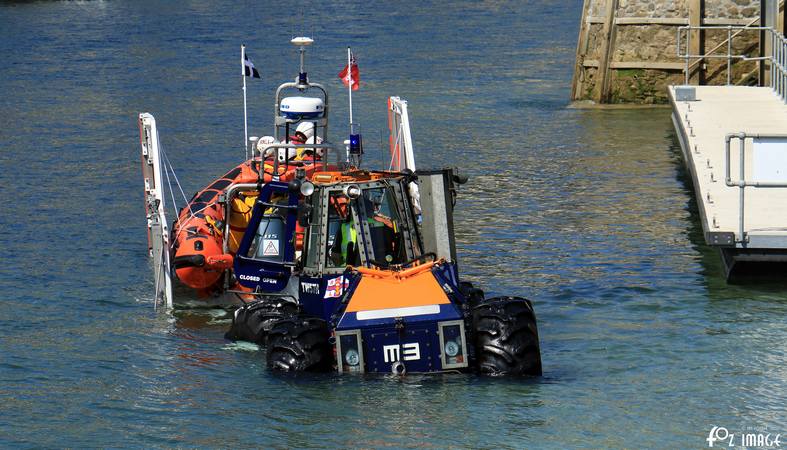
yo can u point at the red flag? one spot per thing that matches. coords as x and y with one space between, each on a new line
352 75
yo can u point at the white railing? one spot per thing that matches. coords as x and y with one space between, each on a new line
777 54
742 182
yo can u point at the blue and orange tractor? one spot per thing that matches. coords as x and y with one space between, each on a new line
374 284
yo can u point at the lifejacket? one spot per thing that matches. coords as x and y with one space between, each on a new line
349 235
300 234
240 215
309 153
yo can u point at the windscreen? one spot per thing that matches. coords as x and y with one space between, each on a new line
342 239
268 243
384 222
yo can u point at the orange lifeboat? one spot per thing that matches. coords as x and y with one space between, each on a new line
199 233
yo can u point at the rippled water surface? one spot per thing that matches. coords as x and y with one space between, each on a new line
586 212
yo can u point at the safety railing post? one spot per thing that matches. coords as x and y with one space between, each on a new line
677 39
779 71
779 63
729 54
776 72
688 54
780 66
772 37
776 62
782 74
742 184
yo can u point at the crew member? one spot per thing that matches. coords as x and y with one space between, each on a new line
344 250
304 134
264 142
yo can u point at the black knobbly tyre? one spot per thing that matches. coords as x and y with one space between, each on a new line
299 344
473 295
506 337
253 321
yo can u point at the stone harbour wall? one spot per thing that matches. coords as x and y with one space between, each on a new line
627 49
644 8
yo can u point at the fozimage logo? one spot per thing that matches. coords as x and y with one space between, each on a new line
719 434
746 439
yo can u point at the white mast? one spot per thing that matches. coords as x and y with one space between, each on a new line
350 85
245 120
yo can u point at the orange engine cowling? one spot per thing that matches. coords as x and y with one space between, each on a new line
199 261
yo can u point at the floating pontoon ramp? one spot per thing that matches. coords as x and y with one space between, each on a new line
734 142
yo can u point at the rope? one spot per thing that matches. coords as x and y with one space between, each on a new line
167 169
171 192
174 175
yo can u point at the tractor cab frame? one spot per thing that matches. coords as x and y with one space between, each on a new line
380 217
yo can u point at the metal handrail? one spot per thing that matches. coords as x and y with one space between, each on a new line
728 41
741 182
729 56
777 57
729 37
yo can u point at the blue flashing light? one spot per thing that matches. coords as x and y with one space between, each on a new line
356 144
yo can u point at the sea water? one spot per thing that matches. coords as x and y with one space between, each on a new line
588 213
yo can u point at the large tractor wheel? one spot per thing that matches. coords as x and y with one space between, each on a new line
300 344
253 321
506 337
473 295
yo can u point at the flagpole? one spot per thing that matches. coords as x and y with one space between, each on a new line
350 86
245 119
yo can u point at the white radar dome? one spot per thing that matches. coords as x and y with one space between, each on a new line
302 107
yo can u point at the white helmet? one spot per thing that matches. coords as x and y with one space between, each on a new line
307 128
314 140
291 152
265 141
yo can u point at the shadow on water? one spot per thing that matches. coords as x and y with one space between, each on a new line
198 318
711 261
